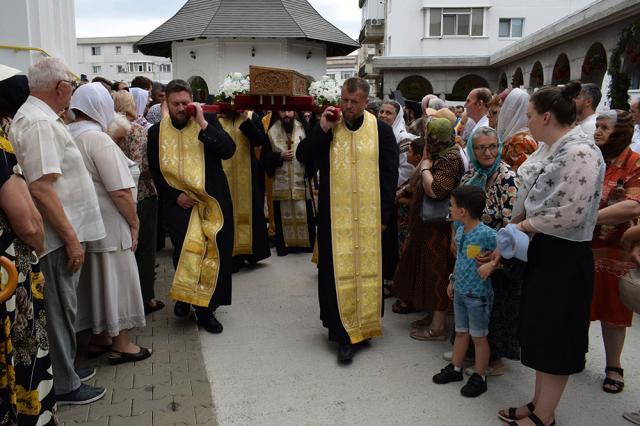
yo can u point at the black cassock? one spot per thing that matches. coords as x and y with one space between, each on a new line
254 132
316 148
218 146
271 161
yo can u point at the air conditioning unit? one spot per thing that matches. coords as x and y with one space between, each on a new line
377 22
368 21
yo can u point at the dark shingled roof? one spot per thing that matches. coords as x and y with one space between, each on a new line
246 18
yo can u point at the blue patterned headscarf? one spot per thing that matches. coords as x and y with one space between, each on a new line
482 174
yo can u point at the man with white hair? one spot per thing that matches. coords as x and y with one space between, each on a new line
635 115
66 198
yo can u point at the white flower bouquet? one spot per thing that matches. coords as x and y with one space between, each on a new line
325 91
234 84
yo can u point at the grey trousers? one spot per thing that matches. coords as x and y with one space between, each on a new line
61 306
147 242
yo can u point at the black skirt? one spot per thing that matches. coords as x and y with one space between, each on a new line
556 296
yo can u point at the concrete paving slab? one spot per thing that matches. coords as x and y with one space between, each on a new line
274 366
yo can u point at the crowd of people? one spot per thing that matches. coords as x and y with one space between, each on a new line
492 211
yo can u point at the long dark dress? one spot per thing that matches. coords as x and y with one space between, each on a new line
423 270
26 386
271 161
254 132
217 146
316 149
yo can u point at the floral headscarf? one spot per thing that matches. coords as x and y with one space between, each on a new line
440 140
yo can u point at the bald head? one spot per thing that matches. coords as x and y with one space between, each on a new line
635 111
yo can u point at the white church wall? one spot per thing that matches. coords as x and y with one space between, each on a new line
45 24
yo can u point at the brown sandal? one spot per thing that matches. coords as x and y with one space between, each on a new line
428 335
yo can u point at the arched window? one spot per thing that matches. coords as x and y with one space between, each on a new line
200 89
415 87
536 78
594 66
466 84
518 79
561 70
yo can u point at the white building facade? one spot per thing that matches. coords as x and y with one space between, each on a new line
37 24
449 47
117 59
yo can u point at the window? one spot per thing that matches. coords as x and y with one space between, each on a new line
96 51
122 69
134 49
118 50
466 22
511 27
136 67
149 67
97 69
347 74
164 67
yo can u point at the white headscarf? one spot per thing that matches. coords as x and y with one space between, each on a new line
141 98
95 101
513 114
399 126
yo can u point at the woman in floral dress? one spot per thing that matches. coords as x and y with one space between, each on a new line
26 381
501 186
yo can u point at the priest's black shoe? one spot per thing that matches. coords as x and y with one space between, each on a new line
345 353
210 323
181 309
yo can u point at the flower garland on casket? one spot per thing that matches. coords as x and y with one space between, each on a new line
326 91
234 84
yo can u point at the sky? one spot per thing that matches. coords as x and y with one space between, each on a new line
100 18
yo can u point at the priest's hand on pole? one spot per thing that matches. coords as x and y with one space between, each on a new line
199 117
326 120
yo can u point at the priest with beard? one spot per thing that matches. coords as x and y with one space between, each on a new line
358 160
185 158
292 204
246 183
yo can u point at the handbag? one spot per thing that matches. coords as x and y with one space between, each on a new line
435 211
630 290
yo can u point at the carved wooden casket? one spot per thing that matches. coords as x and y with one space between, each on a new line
277 82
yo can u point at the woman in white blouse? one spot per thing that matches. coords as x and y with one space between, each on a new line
109 296
557 205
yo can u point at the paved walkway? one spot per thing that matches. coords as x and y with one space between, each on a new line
274 366
170 388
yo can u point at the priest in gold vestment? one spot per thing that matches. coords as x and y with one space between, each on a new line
185 158
292 205
246 183
357 156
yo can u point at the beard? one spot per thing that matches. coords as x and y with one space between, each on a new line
287 124
179 120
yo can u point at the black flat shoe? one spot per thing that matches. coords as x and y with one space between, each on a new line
118 357
149 308
181 309
102 349
345 353
211 324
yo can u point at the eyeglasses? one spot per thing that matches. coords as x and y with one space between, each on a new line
72 83
488 148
